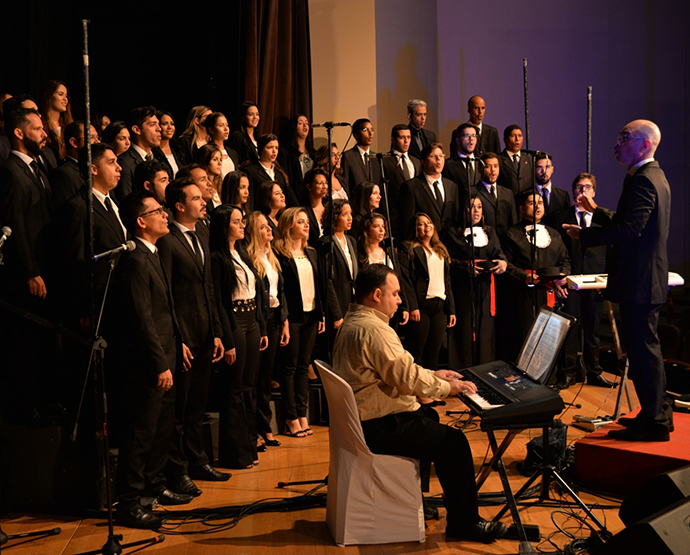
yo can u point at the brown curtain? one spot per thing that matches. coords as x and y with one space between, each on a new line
277 60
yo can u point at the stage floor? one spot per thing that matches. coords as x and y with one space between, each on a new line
305 531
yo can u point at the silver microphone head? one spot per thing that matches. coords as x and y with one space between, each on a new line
6 230
131 245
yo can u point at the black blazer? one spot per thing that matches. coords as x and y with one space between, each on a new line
27 208
71 221
313 227
246 151
65 181
289 161
590 260
145 327
428 137
509 178
341 288
224 279
394 174
415 272
456 171
356 172
257 175
499 213
192 287
488 141
638 235
293 292
415 196
128 161
518 252
559 200
266 298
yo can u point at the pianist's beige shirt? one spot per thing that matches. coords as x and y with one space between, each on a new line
368 355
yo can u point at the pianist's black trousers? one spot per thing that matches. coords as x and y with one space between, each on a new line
413 435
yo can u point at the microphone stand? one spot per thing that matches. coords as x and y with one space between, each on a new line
112 545
589 129
533 238
470 268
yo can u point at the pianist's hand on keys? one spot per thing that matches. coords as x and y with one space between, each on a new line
456 384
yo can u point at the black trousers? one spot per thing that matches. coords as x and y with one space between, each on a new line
297 356
187 448
640 323
413 435
263 385
147 434
237 434
424 338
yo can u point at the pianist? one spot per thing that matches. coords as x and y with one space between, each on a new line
385 380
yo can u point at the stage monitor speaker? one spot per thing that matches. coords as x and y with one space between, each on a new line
666 532
656 493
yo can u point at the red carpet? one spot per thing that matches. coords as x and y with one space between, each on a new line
618 467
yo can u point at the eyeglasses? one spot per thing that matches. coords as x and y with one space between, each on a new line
466 136
239 223
366 130
587 187
625 137
158 210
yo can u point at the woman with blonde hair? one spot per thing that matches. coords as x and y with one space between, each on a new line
305 314
425 264
194 135
258 239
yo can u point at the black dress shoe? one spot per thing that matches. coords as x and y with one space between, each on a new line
167 497
629 421
183 484
565 383
210 474
261 448
483 531
600 381
138 517
430 512
643 432
272 442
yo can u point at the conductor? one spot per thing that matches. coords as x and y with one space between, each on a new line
638 273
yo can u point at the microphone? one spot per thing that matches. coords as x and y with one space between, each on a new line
6 232
331 124
128 246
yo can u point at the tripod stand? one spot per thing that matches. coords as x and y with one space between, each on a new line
4 538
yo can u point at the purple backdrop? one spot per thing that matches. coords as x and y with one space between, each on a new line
634 53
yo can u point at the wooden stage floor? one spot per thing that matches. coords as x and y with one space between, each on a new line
305 531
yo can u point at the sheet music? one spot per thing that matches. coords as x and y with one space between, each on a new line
539 351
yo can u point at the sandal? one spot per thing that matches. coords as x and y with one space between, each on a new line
308 431
298 433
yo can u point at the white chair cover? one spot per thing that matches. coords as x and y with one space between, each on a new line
371 498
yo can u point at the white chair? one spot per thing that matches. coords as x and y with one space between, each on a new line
371 498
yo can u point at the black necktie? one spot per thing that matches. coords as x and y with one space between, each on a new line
405 170
516 162
493 190
583 219
196 247
114 220
439 198
37 174
148 157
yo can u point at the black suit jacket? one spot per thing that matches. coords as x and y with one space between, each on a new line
289 161
427 137
559 201
145 328
71 226
192 287
456 171
488 140
340 291
65 181
246 153
293 292
415 271
499 213
591 260
128 161
257 175
509 178
356 172
27 208
394 174
638 234
415 196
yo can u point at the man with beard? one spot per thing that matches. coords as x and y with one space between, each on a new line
464 169
399 167
151 176
555 199
187 260
26 206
